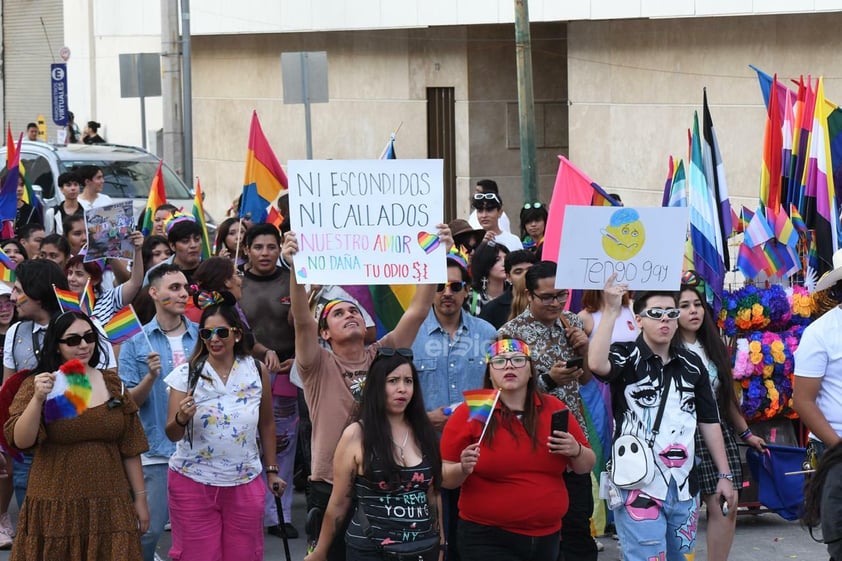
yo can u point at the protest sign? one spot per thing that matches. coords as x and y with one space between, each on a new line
644 246
108 230
367 221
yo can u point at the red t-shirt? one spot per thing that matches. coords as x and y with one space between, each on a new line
513 486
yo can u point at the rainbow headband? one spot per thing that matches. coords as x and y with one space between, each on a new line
507 346
332 304
459 257
175 219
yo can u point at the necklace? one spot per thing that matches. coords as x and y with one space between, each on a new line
401 446
179 324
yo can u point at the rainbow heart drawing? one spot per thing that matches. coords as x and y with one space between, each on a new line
428 242
302 272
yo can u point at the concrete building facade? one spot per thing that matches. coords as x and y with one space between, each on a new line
616 82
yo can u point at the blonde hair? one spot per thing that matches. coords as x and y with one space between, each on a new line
519 300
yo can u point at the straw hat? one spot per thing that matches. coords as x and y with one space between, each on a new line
830 278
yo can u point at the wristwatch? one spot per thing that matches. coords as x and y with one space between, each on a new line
728 476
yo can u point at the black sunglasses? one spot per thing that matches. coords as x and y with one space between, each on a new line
76 340
453 286
221 332
389 351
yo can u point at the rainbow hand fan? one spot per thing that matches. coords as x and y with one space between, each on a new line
71 393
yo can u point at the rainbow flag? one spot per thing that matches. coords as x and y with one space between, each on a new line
157 197
7 268
385 304
601 198
770 171
88 299
123 325
480 403
275 217
797 220
8 193
199 216
264 178
785 231
67 299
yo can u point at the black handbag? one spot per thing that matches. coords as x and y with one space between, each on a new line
426 549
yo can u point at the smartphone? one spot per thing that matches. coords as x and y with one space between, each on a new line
577 362
560 420
723 506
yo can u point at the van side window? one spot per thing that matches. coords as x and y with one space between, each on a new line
38 172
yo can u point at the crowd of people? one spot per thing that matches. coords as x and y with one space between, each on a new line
244 382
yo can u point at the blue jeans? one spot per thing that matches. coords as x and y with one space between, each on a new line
20 478
285 411
652 529
155 479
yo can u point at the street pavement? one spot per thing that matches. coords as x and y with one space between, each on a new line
760 537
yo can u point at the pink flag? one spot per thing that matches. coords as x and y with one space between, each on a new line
572 187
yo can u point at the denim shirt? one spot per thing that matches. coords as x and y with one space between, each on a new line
132 369
447 367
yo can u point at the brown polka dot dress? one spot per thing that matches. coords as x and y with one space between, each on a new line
78 503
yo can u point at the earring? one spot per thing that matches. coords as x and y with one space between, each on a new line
484 283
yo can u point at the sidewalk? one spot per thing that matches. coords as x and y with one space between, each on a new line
763 537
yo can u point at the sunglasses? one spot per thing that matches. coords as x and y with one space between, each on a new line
389 351
76 340
528 206
500 362
660 313
559 297
453 286
486 197
221 332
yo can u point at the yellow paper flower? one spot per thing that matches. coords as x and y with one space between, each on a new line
755 346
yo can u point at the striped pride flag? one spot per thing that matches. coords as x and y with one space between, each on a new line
7 268
157 197
67 299
123 326
264 178
88 299
480 403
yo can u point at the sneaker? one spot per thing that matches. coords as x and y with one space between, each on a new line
168 526
599 545
6 532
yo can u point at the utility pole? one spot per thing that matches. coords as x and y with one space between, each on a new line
187 101
526 102
173 148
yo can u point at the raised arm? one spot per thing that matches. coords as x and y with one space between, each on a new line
306 328
601 341
131 287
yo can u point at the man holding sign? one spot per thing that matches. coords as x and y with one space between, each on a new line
333 378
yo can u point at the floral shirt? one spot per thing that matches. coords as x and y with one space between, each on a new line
548 345
224 451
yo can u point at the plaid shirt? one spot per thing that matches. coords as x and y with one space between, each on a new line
548 345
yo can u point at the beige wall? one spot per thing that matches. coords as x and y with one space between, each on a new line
634 85
377 81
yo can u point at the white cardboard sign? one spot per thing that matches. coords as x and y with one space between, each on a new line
644 246
367 221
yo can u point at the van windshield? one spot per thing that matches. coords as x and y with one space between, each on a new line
128 179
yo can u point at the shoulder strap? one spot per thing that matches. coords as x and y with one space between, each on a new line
663 405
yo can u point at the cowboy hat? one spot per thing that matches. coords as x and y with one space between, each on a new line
830 278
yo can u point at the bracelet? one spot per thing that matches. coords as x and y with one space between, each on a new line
579 453
728 476
746 434
549 383
138 493
272 469
179 423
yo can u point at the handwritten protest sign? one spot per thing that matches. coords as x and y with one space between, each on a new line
367 221
108 230
644 246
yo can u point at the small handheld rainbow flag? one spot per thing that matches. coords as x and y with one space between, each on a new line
87 299
481 404
123 325
7 268
68 300
71 393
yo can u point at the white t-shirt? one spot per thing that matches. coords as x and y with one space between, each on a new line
509 240
819 355
100 201
504 222
177 348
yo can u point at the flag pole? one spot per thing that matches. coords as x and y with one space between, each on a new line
145 336
488 420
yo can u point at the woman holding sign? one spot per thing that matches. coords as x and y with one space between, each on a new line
389 460
513 492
